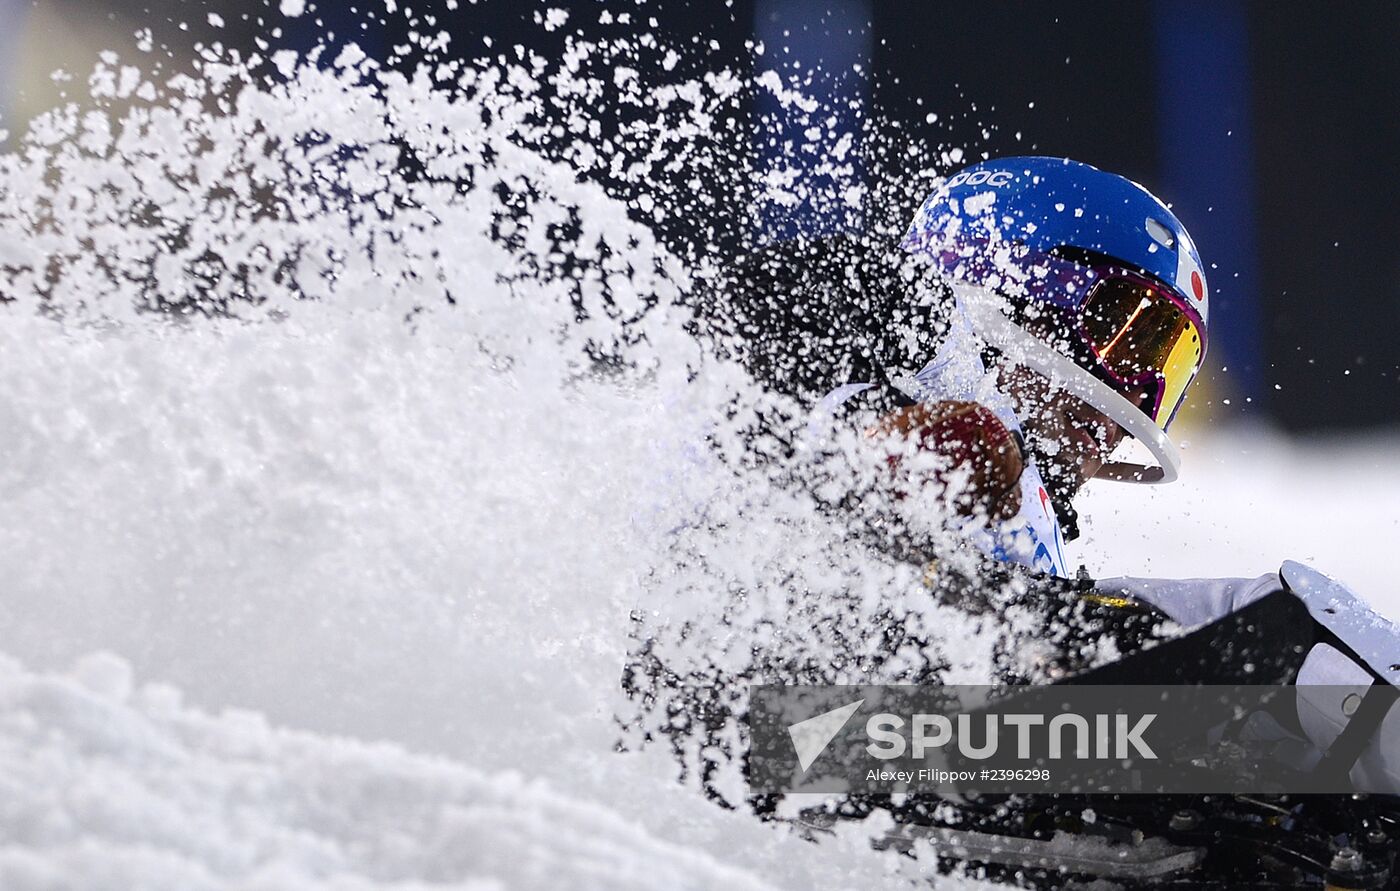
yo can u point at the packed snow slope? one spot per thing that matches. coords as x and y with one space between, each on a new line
305 437
111 785
1250 498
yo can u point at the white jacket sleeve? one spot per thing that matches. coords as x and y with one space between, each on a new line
1328 676
1193 601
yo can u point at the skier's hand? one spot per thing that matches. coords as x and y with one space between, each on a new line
979 456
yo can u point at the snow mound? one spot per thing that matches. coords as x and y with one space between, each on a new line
106 786
1251 498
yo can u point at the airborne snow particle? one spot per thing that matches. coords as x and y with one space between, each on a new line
293 8
555 19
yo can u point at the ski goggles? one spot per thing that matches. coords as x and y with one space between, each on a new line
1136 334
1144 338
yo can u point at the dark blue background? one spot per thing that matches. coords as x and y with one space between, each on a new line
1271 129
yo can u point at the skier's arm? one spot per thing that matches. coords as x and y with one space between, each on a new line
1373 641
1192 601
1355 649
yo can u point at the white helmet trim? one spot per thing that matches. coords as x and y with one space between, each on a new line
987 311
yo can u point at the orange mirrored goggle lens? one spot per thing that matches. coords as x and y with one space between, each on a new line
1141 335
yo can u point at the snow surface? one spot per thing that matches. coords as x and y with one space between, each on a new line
391 567
108 785
347 531
1250 498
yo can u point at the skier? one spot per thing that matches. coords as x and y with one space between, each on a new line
1040 313
1092 300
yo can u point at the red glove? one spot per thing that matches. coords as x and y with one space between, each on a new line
969 437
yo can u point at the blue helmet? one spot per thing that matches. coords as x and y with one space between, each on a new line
1083 276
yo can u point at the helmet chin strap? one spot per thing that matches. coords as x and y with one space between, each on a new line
986 311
